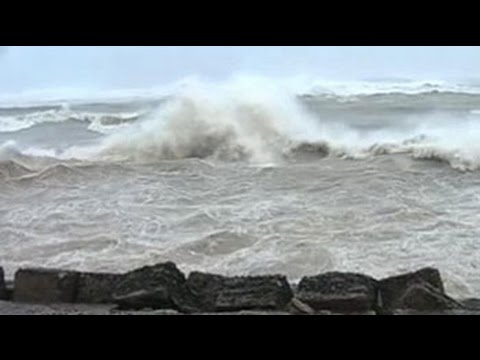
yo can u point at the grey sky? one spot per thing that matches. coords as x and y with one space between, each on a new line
28 68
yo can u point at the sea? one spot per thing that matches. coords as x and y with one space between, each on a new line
245 177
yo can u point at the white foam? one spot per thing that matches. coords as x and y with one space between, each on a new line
8 150
259 120
98 122
352 88
245 118
15 123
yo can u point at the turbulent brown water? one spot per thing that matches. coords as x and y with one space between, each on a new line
239 182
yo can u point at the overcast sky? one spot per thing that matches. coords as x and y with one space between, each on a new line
29 68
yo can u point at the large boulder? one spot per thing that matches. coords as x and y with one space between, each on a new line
425 297
3 287
338 292
97 288
215 293
45 286
420 290
155 287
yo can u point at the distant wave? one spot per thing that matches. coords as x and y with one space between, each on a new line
407 87
99 122
305 84
104 114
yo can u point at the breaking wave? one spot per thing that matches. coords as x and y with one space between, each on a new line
259 121
99 122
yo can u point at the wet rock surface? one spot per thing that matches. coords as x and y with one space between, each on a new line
223 294
392 288
297 307
163 289
157 298
45 286
97 288
156 287
425 297
341 292
471 304
421 290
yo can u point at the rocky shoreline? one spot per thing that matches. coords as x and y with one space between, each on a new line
163 289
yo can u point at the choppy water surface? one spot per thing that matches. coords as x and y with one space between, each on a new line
231 181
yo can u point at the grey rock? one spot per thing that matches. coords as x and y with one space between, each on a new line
205 289
296 307
229 294
155 287
471 304
158 298
338 292
3 288
45 286
97 288
425 297
393 289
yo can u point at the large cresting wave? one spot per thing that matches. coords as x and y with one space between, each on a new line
263 121
245 121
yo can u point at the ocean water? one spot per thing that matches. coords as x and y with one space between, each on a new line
247 177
